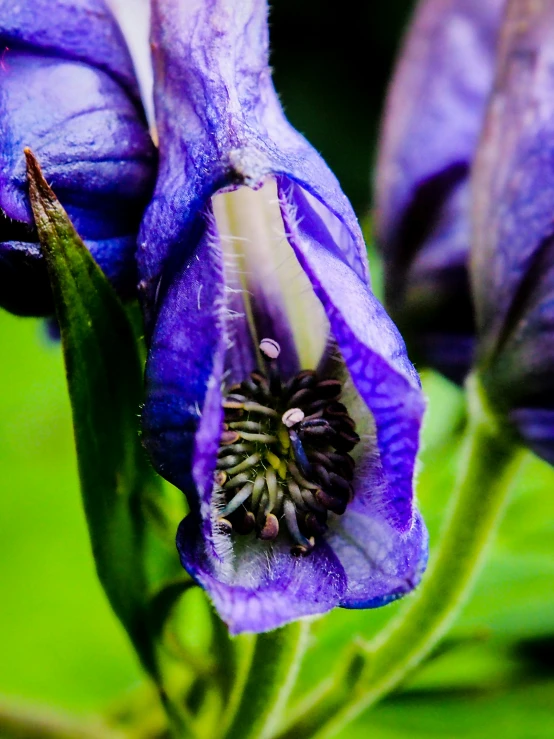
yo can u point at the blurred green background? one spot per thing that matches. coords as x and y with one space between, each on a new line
61 647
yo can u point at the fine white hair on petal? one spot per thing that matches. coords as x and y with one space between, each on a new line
133 17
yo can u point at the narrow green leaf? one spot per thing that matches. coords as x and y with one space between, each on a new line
105 386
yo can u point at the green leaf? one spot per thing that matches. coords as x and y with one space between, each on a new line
104 378
523 712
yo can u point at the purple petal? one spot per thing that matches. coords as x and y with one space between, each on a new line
371 346
79 30
513 250
221 127
216 78
185 363
381 565
265 587
91 140
436 104
536 426
432 121
514 177
182 424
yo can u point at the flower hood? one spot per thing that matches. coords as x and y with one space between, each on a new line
431 126
224 139
68 91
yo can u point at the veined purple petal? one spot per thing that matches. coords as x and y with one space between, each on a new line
217 79
512 261
371 346
266 587
81 116
514 178
78 30
380 564
88 138
431 126
221 128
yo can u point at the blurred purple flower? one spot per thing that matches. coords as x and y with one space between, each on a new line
68 91
512 265
249 237
431 126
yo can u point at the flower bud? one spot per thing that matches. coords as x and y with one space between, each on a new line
512 259
431 125
68 92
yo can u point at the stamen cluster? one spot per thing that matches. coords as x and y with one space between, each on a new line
283 454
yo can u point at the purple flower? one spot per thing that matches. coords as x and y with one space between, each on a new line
68 91
512 256
260 317
431 126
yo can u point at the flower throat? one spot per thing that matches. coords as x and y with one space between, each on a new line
284 458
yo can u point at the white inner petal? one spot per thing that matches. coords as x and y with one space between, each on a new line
133 17
259 260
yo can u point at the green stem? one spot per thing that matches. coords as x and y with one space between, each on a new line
273 672
489 464
35 722
322 702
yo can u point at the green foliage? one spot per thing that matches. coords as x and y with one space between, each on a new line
522 712
104 378
61 646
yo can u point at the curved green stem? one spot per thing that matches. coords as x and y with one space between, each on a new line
271 678
489 464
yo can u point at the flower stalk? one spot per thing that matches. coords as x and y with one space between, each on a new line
490 462
272 675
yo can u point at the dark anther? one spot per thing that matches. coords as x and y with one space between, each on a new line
283 464
313 525
311 502
346 441
316 406
302 397
315 423
225 525
322 459
343 463
331 502
244 522
339 485
304 379
322 475
335 409
329 388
